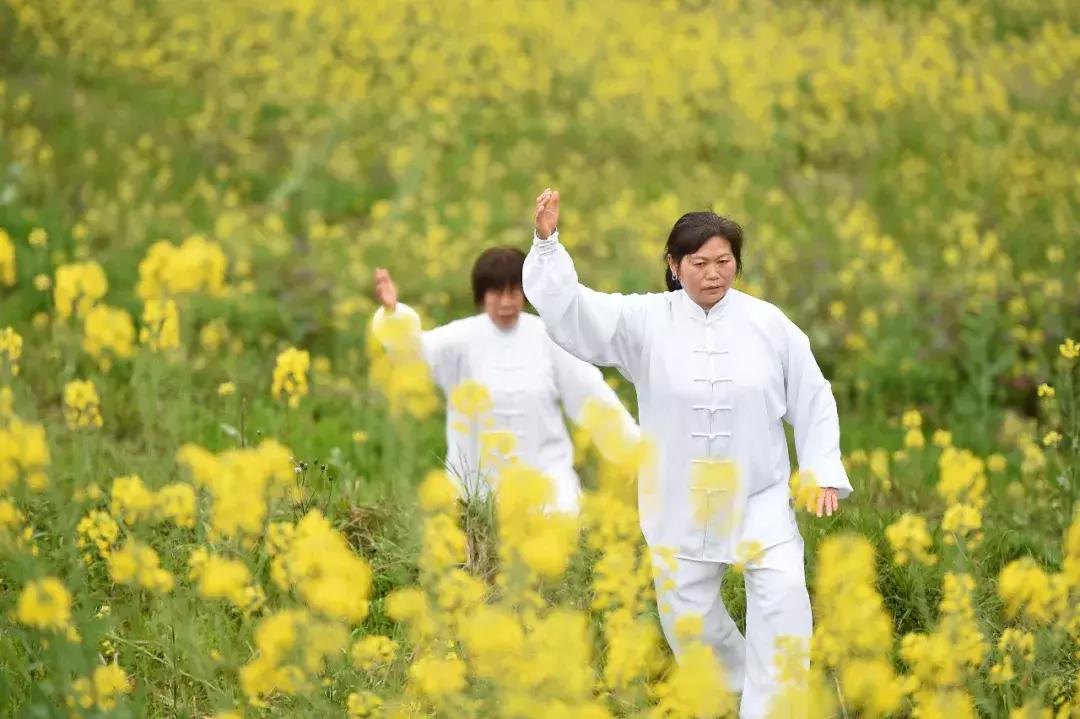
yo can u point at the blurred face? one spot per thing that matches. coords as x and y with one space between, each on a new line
708 273
503 306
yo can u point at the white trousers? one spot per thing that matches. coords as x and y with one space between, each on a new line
777 606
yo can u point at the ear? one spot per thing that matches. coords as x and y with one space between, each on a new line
673 266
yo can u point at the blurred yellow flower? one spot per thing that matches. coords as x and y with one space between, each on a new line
11 344
914 439
471 398
363 704
44 604
226 389
78 287
138 564
108 332
38 237
176 503
909 538
161 325
109 682
437 492
1051 438
82 407
131 501
290 381
373 651
167 270
42 282
1045 390
996 462
1069 349
7 260
98 530
912 419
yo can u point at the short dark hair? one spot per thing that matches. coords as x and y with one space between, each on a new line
497 268
693 230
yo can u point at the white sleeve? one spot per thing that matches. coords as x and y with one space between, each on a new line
578 382
602 329
811 411
439 347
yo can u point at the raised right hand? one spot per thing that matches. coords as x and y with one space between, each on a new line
385 289
546 216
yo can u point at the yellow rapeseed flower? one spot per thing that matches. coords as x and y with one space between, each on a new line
78 287
44 604
910 539
10 350
82 406
290 381
471 398
108 332
161 325
38 237
7 260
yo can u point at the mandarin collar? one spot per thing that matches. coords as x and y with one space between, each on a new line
499 332
694 311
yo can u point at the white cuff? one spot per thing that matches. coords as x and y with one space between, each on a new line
543 247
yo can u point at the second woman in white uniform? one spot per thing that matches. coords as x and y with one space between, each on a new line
530 379
717 372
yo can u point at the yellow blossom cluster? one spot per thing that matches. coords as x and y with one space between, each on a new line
292 647
78 287
196 265
910 540
7 260
108 334
373 651
161 325
24 451
853 633
290 381
943 659
398 369
10 351
99 690
132 501
82 406
138 564
98 530
219 577
962 483
241 483
317 563
45 604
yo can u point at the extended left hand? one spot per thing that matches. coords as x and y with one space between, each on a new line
828 501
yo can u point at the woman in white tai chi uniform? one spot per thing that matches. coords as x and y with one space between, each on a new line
527 375
716 373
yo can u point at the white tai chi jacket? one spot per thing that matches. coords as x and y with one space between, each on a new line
528 377
713 389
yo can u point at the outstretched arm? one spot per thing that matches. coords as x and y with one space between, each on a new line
588 400
397 327
603 329
811 411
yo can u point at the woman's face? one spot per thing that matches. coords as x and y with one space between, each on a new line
708 273
503 306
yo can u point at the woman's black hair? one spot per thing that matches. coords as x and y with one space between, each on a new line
497 268
693 230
